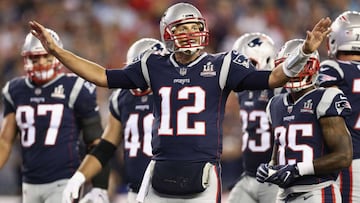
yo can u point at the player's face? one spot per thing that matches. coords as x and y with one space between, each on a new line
187 29
41 60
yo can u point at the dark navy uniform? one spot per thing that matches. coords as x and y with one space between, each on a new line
135 114
47 117
346 76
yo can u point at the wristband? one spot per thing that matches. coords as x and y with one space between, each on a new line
306 168
295 62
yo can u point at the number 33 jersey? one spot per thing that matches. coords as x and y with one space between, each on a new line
47 120
297 129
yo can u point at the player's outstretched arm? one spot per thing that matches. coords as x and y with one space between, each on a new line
294 64
84 68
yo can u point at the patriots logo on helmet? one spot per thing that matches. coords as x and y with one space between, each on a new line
255 42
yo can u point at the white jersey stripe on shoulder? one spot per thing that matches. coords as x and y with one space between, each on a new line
114 101
326 100
75 91
144 67
225 70
6 93
333 64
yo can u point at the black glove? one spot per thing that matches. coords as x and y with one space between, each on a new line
284 175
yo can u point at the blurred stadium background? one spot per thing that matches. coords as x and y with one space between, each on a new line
102 30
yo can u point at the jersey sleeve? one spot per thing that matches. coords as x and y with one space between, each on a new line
7 100
333 103
114 104
330 73
85 104
242 75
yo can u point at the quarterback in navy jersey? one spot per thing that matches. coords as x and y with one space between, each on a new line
342 71
257 139
130 123
190 89
49 110
312 142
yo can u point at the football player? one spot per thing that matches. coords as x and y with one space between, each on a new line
49 110
130 122
312 142
342 70
257 137
190 88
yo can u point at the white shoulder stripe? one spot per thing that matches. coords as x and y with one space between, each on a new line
75 91
333 64
144 67
225 70
114 101
6 93
326 100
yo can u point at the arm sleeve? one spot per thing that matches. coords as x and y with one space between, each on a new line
256 80
101 180
129 78
91 128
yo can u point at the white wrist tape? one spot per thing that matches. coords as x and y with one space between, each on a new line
295 62
306 168
78 177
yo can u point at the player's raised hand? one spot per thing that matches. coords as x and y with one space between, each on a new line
43 35
315 37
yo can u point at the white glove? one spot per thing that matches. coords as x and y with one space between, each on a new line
72 188
96 195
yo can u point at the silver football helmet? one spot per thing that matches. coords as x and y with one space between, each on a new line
179 14
345 32
39 73
141 46
259 48
306 77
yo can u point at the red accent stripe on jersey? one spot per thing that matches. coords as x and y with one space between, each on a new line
350 183
333 193
218 192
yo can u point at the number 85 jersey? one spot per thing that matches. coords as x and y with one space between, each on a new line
48 121
297 129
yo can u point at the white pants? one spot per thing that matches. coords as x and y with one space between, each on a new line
210 195
349 182
249 190
44 193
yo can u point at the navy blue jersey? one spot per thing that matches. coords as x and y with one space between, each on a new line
47 118
345 75
257 138
189 100
136 116
297 129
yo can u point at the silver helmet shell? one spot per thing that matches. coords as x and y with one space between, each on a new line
259 48
345 32
182 13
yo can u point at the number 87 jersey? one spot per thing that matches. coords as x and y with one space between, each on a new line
48 118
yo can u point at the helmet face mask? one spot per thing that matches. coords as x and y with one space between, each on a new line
259 48
345 32
40 66
187 42
307 77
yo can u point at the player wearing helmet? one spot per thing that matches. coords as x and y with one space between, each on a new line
190 89
342 70
312 142
47 109
257 138
130 122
